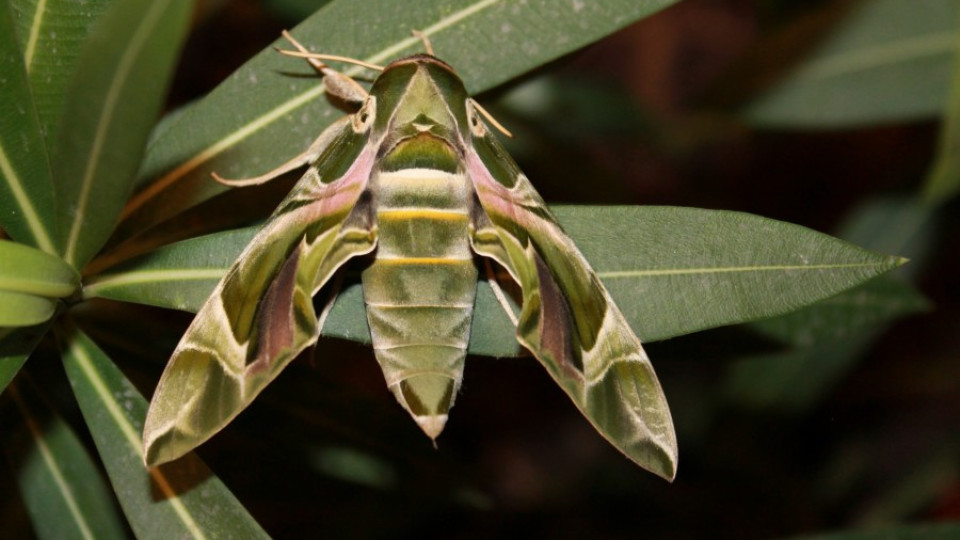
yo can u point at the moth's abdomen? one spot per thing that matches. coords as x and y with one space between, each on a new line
420 289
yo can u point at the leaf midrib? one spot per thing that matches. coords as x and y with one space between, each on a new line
613 274
34 36
111 102
92 288
52 465
43 240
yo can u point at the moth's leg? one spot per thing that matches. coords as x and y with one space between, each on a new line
498 292
335 287
311 153
490 118
338 84
425 40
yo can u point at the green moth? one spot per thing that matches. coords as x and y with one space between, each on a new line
415 179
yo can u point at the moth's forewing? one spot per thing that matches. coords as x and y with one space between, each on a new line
261 314
568 320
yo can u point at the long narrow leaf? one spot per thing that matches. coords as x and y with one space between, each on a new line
51 34
888 61
26 190
16 344
20 309
61 486
672 271
122 76
264 114
679 270
28 270
825 340
180 500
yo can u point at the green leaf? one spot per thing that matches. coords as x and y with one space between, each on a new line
671 270
52 33
122 76
923 531
273 107
16 344
180 500
28 270
674 271
827 339
60 484
26 192
888 61
20 309
179 276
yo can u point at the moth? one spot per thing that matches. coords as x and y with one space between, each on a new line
416 180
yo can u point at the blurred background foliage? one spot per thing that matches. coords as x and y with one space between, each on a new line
839 115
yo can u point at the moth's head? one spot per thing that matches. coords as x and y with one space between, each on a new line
420 93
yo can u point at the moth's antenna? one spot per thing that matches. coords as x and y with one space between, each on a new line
491 119
313 62
302 52
331 57
426 41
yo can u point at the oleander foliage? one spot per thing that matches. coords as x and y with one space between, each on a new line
113 233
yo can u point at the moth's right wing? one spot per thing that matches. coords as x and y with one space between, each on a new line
261 315
568 319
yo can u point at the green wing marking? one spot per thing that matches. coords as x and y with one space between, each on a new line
261 315
567 319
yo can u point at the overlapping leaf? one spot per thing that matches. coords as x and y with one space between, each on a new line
16 344
825 340
121 80
274 113
672 271
26 190
52 34
180 500
887 61
61 486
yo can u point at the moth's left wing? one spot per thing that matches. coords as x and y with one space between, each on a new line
261 315
568 320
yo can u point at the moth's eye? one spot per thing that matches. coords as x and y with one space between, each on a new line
476 126
363 118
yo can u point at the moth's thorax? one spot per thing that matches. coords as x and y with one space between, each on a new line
422 150
420 92
421 59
